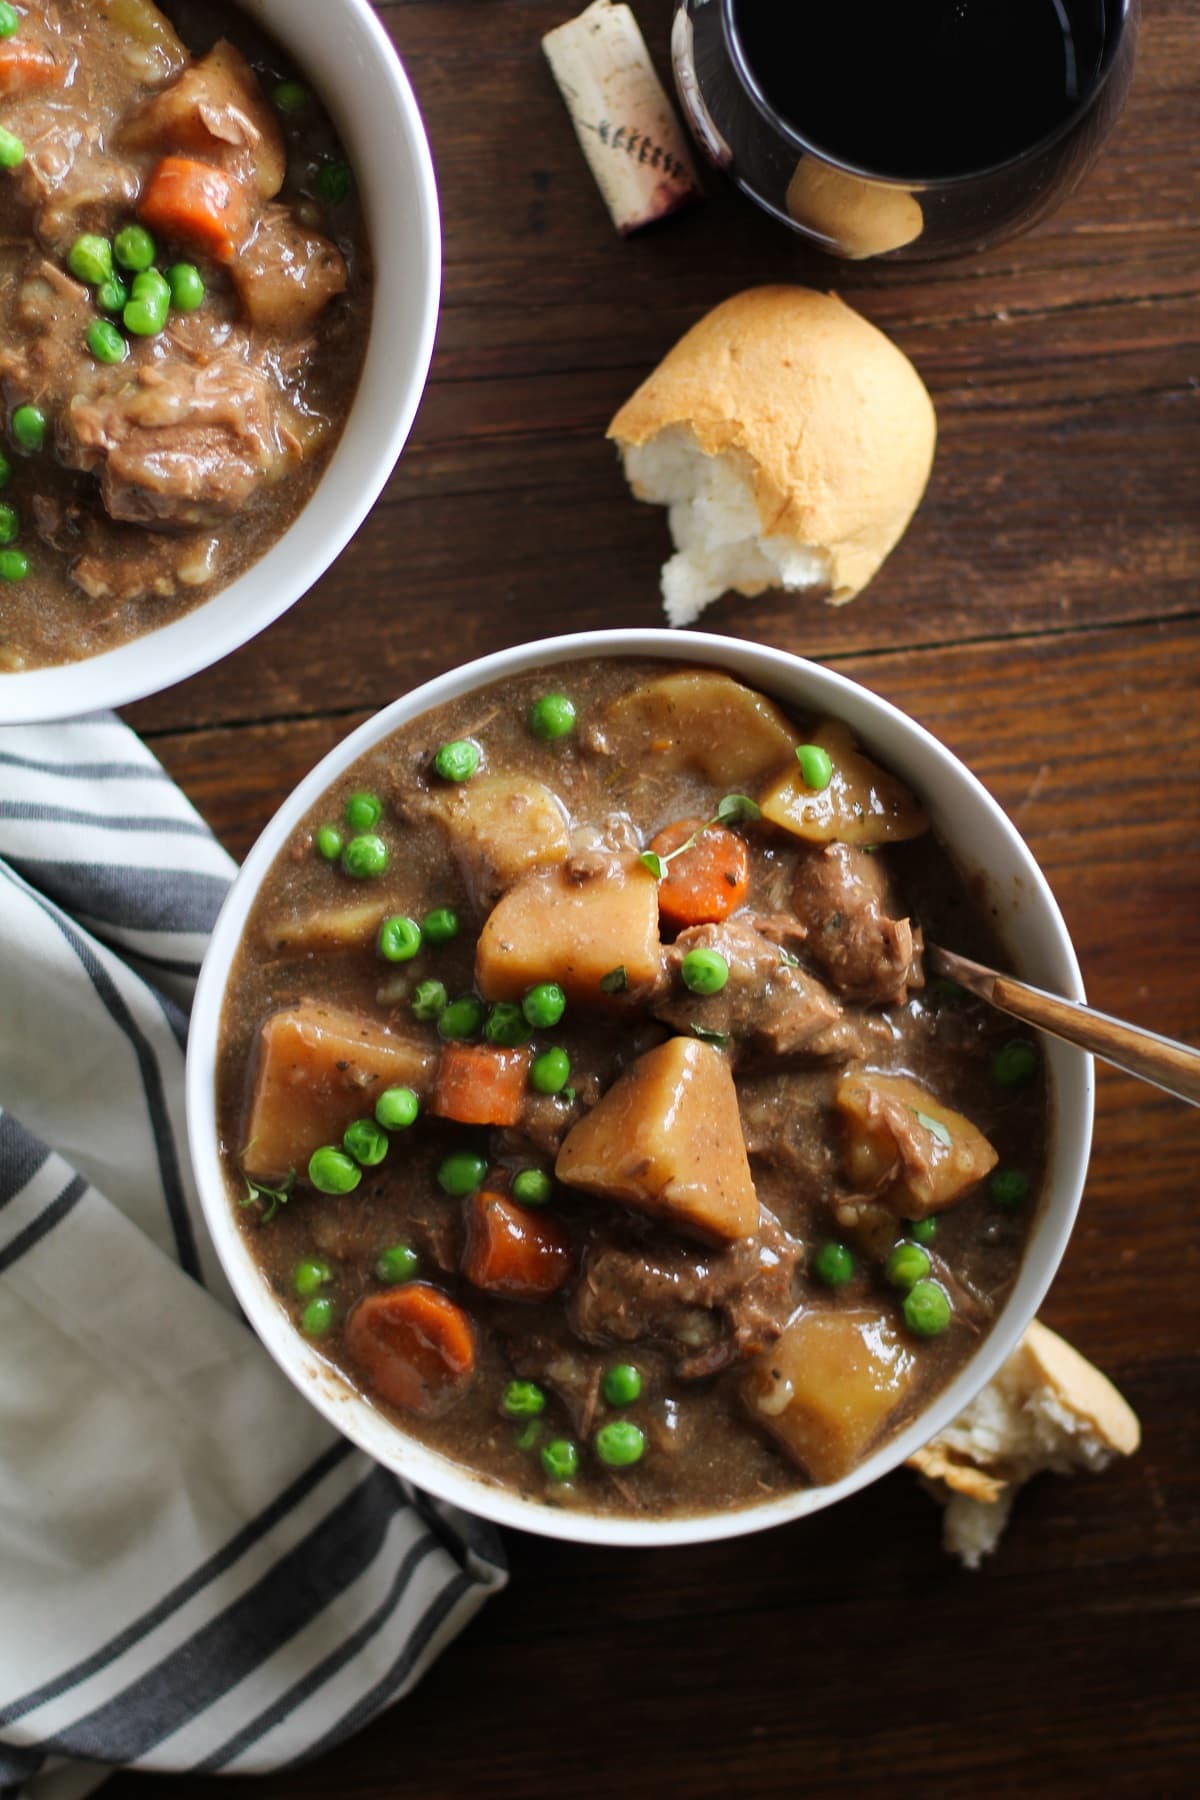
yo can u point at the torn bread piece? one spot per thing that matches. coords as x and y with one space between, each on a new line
791 442
1048 1408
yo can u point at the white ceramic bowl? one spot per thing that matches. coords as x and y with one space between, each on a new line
983 843
350 58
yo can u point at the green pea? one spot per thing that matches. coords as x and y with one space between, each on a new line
363 811
317 1318
331 1171
907 1265
399 938
329 842
1009 1188
149 303
532 1187
923 1231
553 716
525 1440
462 1018
927 1309
309 1276
10 20
291 97
12 150
620 1444
457 761
334 182
399 1262
5 470
10 523
550 1072
134 249
544 1005
14 565
187 287
462 1172
366 1142
105 342
29 427
834 1265
397 1108
1015 1064
112 296
560 1459
90 259
506 1026
365 856
440 925
622 1384
522 1400
429 1000
815 766
704 971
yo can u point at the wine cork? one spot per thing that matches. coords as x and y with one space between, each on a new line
631 138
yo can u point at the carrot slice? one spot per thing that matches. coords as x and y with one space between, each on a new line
512 1251
414 1346
704 884
480 1085
198 204
25 65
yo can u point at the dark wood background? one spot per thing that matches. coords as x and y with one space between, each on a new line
1043 617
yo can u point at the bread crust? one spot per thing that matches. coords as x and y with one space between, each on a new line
1042 1360
835 424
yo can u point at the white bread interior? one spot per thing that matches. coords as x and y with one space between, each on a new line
1048 1408
791 442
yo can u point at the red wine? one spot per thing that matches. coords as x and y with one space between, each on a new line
923 88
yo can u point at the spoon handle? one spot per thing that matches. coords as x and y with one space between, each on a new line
1161 1061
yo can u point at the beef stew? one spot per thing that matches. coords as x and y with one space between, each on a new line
185 299
582 1099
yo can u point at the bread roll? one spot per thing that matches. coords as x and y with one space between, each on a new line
1047 1409
790 439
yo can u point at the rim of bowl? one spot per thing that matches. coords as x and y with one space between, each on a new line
390 387
795 682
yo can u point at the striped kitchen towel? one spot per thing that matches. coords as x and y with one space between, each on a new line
196 1572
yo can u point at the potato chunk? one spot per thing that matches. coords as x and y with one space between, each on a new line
666 1139
862 804
704 720
329 928
156 53
904 1147
216 106
827 1387
574 925
500 827
319 1067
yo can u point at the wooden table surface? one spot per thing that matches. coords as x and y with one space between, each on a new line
1042 616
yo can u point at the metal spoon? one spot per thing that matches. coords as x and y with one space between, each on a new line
1161 1061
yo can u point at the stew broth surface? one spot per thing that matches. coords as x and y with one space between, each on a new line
704 1448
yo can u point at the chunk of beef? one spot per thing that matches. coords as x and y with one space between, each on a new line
705 1308
565 1369
174 443
788 1123
843 896
769 1004
286 275
46 318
